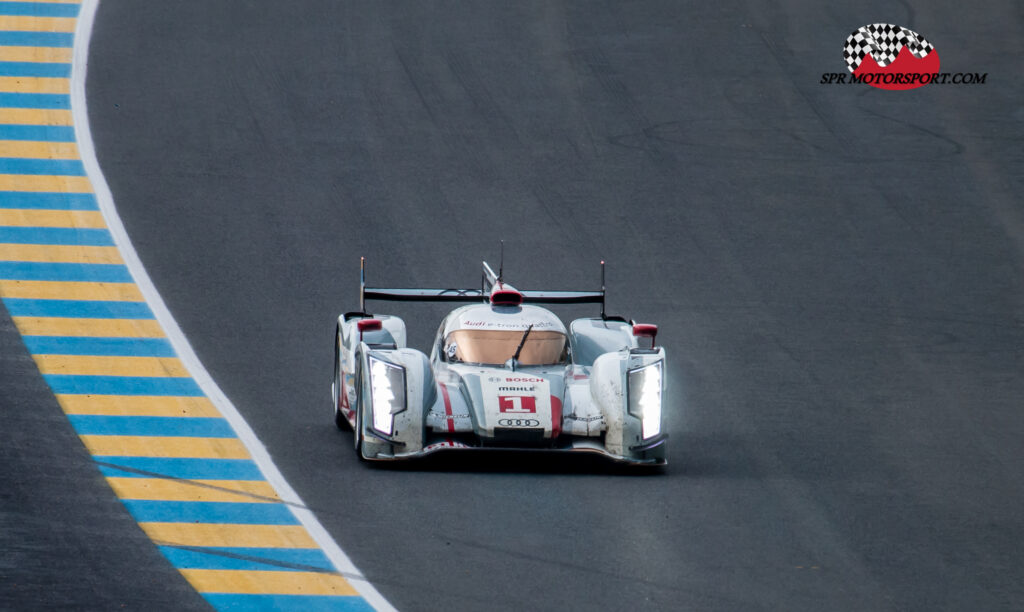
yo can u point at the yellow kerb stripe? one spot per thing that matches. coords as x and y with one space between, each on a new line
35 116
47 85
55 253
38 150
56 55
42 182
26 217
250 491
11 23
137 405
169 446
259 582
111 328
96 365
70 290
211 534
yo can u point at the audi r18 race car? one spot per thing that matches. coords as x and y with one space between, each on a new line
502 374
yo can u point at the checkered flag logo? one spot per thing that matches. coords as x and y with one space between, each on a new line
883 41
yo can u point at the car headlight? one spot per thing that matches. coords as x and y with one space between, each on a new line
645 398
387 385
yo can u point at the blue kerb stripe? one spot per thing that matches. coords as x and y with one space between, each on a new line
192 427
47 201
46 271
81 309
37 39
56 235
66 167
38 9
288 603
124 385
106 347
46 133
183 468
273 559
50 70
246 513
34 100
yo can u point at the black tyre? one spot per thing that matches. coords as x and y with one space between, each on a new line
339 417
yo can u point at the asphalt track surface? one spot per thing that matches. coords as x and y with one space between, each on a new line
838 273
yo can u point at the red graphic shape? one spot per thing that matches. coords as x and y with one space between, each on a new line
517 404
448 407
556 416
904 64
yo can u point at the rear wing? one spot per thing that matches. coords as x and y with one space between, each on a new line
488 282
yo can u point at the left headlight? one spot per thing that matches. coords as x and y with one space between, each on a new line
645 397
387 384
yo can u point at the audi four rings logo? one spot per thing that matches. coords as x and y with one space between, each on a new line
519 423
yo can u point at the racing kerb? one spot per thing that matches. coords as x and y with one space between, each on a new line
172 447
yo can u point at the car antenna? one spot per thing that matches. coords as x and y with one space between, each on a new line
501 264
519 349
604 317
362 285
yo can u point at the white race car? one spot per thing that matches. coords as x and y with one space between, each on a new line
502 374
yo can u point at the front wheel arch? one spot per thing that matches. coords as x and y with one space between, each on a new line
340 420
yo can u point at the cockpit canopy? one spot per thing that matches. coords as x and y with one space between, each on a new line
496 346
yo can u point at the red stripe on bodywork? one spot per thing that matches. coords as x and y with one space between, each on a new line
343 405
556 417
447 407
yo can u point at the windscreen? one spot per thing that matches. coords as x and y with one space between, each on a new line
495 347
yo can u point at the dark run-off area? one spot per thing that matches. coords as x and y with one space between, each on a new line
66 541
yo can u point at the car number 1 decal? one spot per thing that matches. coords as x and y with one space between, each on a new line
518 401
517 404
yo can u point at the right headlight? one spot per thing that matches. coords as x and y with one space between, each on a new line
387 385
645 397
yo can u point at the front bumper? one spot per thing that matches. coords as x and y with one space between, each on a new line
642 455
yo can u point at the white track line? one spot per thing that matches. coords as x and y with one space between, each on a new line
87 151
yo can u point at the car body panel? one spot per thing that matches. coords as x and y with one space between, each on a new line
576 398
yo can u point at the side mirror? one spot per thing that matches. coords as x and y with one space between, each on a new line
645 330
368 325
